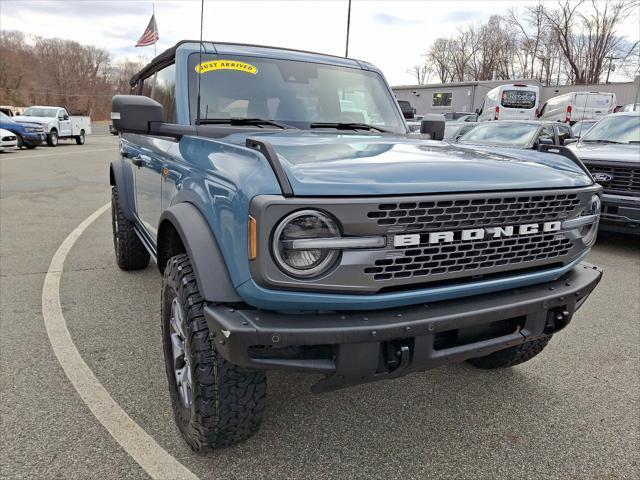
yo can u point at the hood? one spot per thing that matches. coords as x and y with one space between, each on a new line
30 119
629 152
326 164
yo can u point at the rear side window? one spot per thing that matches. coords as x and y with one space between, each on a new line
518 99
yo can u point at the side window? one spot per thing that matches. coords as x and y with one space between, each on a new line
547 133
164 92
564 132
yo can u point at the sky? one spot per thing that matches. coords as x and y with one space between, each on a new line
392 34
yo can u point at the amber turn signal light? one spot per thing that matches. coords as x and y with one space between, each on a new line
253 238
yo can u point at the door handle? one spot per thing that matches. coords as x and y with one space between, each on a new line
140 160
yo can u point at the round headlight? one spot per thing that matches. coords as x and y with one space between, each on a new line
291 256
589 232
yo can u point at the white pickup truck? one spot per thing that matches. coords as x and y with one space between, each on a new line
57 123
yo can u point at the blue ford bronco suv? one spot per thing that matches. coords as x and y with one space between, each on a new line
298 226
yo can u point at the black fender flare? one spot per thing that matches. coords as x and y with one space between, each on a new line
118 178
201 245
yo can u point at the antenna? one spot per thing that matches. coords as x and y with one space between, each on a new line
346 51
584 111
200 61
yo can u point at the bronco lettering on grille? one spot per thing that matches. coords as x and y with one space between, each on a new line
475 234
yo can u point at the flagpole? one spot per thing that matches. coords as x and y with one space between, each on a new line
153 6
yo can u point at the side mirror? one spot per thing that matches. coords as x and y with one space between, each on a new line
134 113
569 141
478 111
433 125
543 141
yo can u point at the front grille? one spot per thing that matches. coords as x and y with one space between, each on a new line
8 139
428 263
625 179
470 256
504 247
478 212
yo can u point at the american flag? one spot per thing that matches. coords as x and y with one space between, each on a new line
150 35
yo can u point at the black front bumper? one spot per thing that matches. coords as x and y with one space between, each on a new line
359 347
620 213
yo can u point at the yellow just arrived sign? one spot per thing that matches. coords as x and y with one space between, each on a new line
226 65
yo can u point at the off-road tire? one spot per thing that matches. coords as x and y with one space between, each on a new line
52 138
227 401
513 355
129 250
80 139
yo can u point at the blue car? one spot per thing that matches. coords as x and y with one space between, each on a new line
29 135
299 226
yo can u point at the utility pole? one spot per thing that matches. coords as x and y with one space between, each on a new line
611 59
346 52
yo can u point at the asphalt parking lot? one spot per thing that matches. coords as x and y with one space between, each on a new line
572 412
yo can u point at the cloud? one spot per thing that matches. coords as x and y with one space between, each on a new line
77 8
462 16
386 19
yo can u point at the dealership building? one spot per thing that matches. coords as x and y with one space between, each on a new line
468 96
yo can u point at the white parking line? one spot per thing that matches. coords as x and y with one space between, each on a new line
156 461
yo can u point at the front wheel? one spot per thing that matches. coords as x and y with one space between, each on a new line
52 138
512 356
215 403
80 138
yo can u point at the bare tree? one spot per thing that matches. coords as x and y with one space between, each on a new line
587 38
15 61
421 72
35 70
439 56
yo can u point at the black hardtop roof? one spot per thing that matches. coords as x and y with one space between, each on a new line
168 56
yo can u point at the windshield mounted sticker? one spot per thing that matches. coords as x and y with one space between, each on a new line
226 65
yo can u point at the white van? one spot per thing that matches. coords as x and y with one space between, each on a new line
515 101
575 106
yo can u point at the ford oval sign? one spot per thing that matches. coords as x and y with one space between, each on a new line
602 177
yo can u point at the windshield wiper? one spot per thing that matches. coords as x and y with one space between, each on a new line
241 121
600 141
347 126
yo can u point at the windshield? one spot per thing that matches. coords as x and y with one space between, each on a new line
580 128
6 118
506 134
518 99
41 112
292 92
615 129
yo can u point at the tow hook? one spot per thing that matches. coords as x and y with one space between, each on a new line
400 359
557 320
